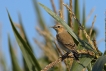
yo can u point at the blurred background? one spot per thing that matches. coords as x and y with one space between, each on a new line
87 9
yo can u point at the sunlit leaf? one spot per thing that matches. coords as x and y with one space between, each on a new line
15 66
89 67
26 51
26 40
23 31
77 13
84 62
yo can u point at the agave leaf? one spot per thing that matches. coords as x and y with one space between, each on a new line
67 27
15 65
98 66
26 51
77 13
26 39
104 52
25 67
84 62
89 67
68 15
84 44
3 62
60 21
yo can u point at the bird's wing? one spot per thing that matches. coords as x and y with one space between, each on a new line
66 41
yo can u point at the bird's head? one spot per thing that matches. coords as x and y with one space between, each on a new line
59 28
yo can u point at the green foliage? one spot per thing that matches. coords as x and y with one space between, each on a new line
26 51
77 13
60 21
94 62
84 61
99 64
13 57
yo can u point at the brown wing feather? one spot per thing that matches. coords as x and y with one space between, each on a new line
66 40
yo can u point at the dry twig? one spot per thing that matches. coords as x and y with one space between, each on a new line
94 42
81 27
82 52
92 25
89 15
44 33
50 54
53 6
61 8
51 65
71 25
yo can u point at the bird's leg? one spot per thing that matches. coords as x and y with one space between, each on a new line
65 56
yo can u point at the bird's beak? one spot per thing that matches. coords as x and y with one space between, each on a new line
53 27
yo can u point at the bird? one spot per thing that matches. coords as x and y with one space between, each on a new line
65 40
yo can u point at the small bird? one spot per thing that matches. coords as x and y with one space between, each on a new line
65 40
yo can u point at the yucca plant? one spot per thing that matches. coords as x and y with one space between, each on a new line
90 58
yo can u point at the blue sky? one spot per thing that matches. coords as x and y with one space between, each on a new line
26 9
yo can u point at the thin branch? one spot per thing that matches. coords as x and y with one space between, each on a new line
60 14
71 25
61 8
70 11
79 33
55 62
51 65
47 51
81 27
66 55
92 25
89 40
89 15
101 40
94 42
44 33
53 6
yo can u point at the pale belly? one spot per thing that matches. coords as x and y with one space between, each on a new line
64 48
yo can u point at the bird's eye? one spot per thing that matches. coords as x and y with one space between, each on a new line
58 26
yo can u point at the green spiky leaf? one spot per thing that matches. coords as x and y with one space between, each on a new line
26 51
77 13
84 62
98 66
15 65
60 21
